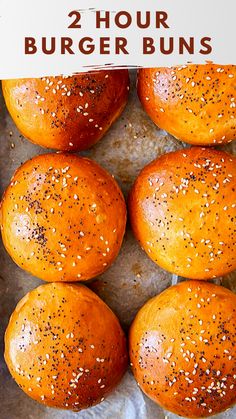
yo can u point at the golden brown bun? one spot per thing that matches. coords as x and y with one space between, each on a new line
183 349
194 103
183 212
63 218
64 347
67 113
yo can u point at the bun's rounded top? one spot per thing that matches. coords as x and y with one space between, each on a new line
63 218
67 113
194 103
183 349
183 212
64 347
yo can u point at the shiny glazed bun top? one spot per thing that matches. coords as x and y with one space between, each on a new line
67 113
183 212
183 349
64 347
63 218
194 103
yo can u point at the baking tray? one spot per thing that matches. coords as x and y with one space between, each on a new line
131 143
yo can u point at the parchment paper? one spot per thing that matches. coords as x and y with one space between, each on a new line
130 144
